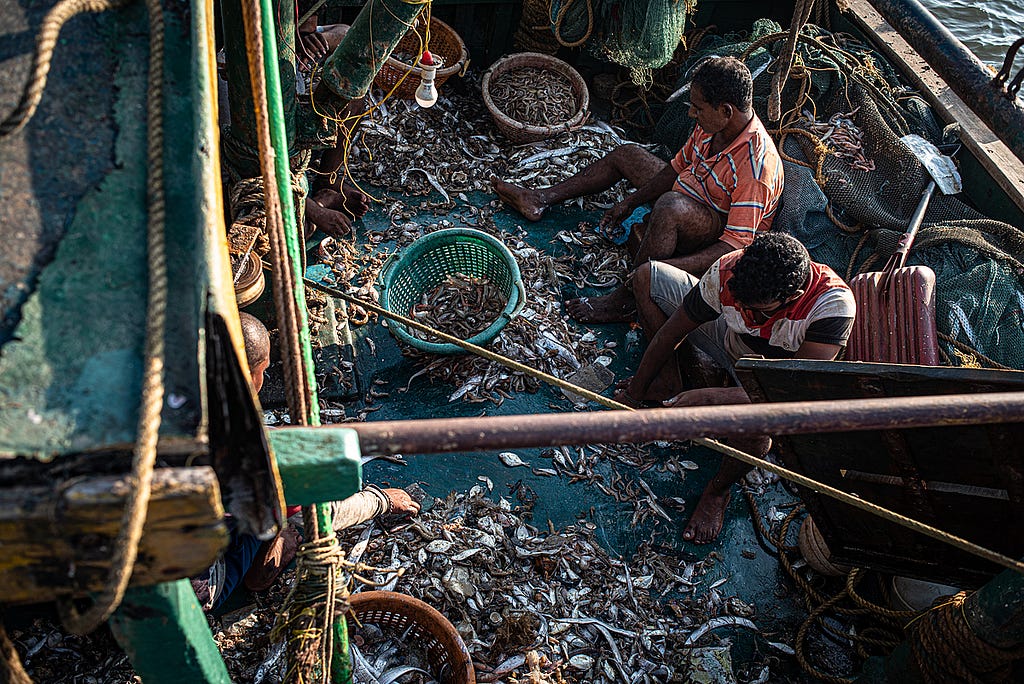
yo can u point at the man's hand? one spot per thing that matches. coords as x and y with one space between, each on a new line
313 46
401 502
614 217
622 394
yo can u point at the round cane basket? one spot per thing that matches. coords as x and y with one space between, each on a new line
444 43
521 132
396 614
428 261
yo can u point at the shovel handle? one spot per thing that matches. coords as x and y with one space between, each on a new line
899 257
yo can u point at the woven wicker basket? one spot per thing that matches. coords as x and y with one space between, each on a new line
396 613
518 131
444 43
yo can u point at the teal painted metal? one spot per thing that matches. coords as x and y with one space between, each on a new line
70 378
351 68
164 632
317 465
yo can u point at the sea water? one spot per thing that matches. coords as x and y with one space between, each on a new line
987 27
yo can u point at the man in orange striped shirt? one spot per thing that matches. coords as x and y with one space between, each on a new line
720 189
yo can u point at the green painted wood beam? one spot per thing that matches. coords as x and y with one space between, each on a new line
351 68
243 115
317 464
165 634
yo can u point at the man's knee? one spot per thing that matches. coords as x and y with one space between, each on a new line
699 222
641 283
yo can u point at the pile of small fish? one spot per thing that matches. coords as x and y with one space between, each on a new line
843 137
460 305
530 95
548 606
453 147
383 656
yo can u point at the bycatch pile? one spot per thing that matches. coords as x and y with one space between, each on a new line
460 305
553 603
541 97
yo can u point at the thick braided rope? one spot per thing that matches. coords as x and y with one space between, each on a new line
126 546
45 42
945 648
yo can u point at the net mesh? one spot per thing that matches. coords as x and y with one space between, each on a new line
641 35
851 185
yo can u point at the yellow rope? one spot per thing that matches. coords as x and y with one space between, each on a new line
126 546
557 27
782 472
45 43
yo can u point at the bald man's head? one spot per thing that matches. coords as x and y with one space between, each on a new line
257 347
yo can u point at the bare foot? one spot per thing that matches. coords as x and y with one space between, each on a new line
334 223
523 200
617 307
707 520
350 201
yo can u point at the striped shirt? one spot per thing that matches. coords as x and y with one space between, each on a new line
743 181
823 314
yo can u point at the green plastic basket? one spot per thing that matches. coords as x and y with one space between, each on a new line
434 257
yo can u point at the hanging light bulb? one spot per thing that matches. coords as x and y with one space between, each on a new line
426 93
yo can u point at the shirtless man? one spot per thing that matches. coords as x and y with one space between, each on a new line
722 187
768 299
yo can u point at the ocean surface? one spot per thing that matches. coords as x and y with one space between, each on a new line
987 27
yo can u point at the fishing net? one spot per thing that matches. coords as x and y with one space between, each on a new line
852 185
641 35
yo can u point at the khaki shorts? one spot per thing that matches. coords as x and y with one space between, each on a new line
669 286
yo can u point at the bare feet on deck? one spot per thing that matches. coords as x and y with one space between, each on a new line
523 200
707 520
617 307
350 201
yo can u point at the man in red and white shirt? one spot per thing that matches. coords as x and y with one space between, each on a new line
720 189
768 300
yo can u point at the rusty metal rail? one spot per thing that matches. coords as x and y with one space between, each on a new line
433 436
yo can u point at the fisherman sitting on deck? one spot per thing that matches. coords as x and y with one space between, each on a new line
768 299
256 563
333 204
722 187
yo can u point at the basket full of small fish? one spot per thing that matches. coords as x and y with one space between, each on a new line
532 96
459 281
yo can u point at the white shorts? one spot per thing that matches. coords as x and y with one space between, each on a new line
669 286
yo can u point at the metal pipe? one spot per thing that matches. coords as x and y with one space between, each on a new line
434 436
965 74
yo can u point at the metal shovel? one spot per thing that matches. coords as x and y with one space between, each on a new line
944 176
896 306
